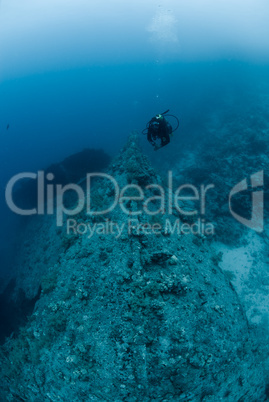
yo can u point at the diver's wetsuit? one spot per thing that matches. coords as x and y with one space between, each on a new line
159 128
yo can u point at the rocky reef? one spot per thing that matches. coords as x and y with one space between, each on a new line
70 170
127 314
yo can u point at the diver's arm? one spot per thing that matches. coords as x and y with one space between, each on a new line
165 139
149 138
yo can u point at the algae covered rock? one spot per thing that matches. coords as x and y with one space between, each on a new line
132 314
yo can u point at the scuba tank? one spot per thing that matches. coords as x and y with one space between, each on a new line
155 119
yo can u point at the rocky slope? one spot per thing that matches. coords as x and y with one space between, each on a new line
131 317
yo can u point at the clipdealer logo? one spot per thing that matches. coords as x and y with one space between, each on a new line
152 199
256 222
50 198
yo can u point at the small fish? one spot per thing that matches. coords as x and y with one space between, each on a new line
7 126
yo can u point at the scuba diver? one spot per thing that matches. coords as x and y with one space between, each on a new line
158 130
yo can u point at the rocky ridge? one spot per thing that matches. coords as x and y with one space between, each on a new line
138 317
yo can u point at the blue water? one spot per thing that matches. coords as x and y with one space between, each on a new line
54 114
59 112
83 75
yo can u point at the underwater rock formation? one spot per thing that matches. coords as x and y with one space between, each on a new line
130 316
230 149
70 170
233 147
